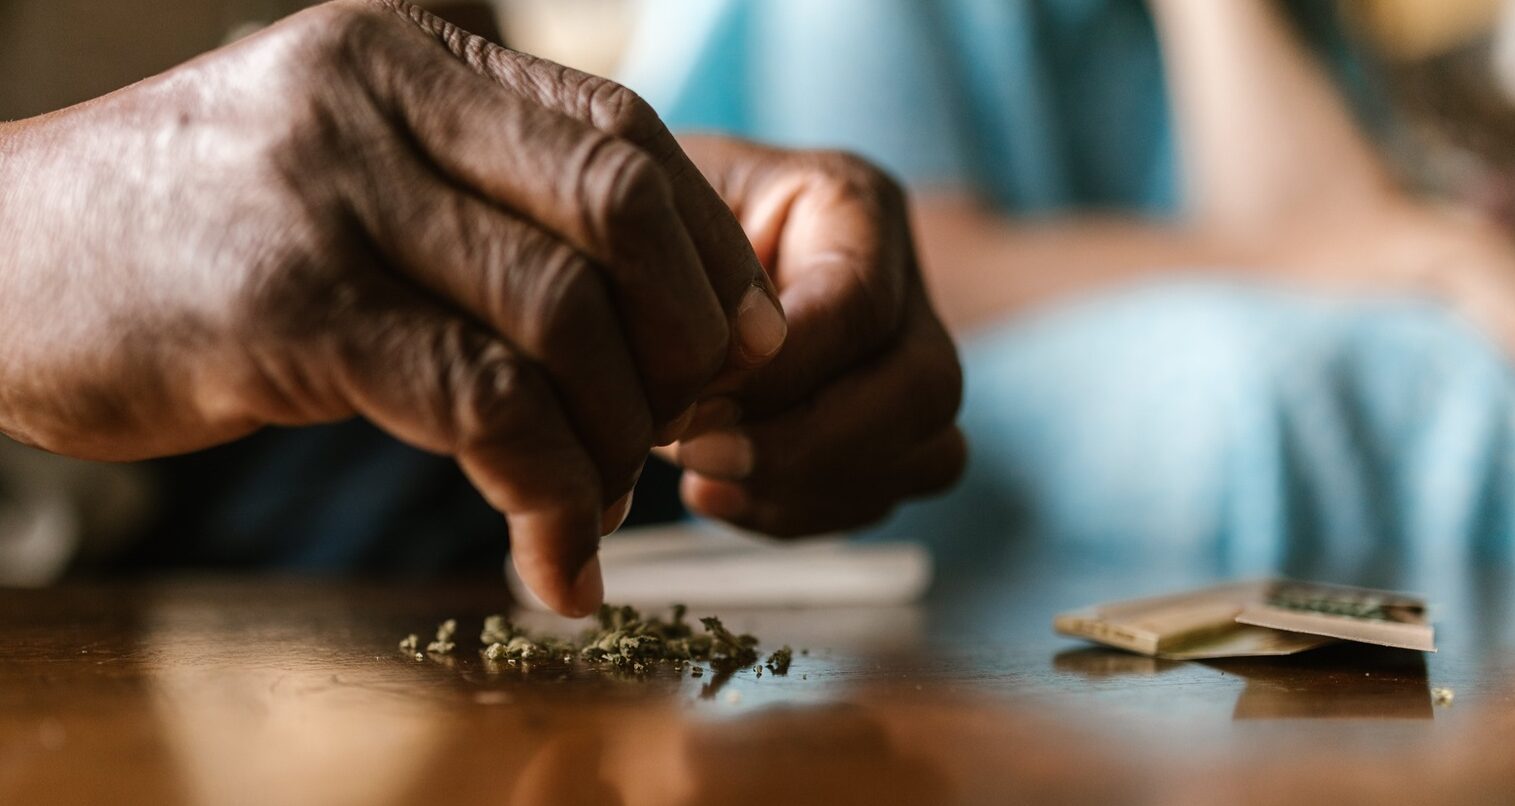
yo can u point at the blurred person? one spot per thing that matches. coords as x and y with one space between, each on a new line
365 215
1200 311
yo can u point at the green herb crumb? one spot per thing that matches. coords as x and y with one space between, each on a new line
497 630
444 643
779 661
624 639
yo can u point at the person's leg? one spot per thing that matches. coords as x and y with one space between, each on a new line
1261 429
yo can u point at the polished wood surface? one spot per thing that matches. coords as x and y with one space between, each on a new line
281 692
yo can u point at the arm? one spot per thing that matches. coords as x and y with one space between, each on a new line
1276 165
364 211
983 266
1281 183
1264 136
1266 143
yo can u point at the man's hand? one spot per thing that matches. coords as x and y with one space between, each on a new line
365 210
857 412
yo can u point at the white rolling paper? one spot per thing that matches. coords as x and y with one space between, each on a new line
703 565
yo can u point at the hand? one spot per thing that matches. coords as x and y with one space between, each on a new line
365 210
1403 247
857 411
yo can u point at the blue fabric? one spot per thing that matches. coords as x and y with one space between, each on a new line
1271 430
1041 105
337 499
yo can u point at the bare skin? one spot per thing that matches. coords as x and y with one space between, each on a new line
858 412
1282 187
364 210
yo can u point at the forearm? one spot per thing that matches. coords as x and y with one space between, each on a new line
983 267
1264 136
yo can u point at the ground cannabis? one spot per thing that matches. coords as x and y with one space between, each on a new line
497 630
779 661
1442 696
445 631
623 638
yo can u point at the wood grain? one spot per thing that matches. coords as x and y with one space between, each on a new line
293 692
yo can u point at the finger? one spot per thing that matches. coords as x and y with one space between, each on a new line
443 384
876 411
542 296
843 260
745 292
793 508
601 195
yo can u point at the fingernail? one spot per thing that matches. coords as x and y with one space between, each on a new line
588 588
615 516
719 454
760 325
676 429
714 414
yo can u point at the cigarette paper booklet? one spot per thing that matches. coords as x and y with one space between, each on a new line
1262 617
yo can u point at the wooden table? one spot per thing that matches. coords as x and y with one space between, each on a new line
280 692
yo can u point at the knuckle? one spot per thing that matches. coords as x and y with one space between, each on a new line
876 265
485 394
858 178
566 317
315 67
618 111
568 304
337 28
461 228
620 188
634 187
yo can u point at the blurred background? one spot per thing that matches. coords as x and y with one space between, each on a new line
1234 279
59 52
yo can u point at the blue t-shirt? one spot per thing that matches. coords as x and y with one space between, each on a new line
1037 105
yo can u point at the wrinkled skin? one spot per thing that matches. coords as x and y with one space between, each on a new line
364 210
858 411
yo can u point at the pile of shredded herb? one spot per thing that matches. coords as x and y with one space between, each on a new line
623 639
